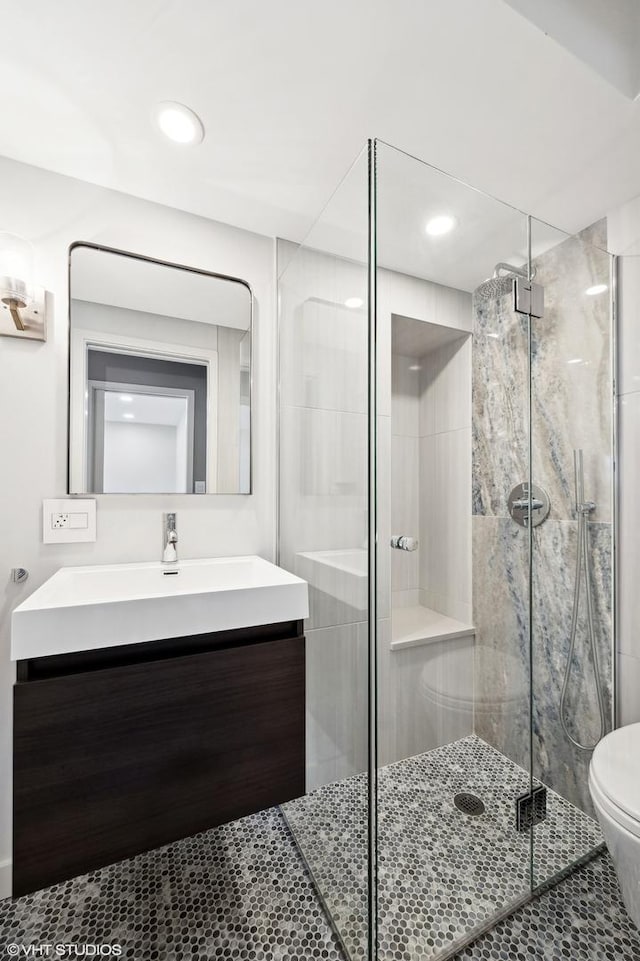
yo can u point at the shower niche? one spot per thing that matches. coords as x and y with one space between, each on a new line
430 659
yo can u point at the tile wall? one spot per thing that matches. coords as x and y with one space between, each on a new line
323 495
445 479
572 408
428 496
406 499
323 504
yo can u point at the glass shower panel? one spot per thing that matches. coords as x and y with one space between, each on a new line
572 571
494 390
453 566
323 537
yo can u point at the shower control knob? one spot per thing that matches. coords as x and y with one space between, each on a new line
521 501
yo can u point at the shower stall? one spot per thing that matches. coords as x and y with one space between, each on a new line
442 356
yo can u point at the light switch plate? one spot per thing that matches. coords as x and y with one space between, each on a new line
68 520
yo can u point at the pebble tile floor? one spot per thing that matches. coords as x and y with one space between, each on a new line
442 873
580 919
238 892
241 892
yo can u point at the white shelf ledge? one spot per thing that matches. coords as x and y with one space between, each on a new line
415 626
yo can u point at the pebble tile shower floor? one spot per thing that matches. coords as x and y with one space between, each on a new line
241 892
442 873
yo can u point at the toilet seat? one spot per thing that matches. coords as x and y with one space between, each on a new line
614 777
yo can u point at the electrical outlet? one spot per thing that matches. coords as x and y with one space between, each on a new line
68 520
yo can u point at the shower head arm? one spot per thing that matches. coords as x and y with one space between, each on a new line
510 269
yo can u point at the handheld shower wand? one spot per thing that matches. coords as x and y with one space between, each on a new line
583 565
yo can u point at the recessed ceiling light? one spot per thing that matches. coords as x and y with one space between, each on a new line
439 225
596 289
354 302
575 360
178 122
126 398
415 367
129 416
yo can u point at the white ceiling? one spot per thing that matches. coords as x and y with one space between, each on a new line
290 89
103 277
604 34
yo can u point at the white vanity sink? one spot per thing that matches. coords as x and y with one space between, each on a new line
85 608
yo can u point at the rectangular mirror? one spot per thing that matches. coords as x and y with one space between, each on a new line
159 377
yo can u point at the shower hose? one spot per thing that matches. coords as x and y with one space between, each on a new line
583 563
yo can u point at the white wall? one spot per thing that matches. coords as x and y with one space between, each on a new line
431 469
445 480
141 457
53 211
623 228
405 717
406 502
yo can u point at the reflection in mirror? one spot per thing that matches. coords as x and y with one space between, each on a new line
160 377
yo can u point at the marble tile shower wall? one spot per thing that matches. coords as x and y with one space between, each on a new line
571 408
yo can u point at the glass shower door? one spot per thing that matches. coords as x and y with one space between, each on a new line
572 414
442 356
324 538
453 645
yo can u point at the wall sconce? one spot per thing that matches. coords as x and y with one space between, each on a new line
22 305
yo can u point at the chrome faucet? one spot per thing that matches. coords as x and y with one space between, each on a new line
170 552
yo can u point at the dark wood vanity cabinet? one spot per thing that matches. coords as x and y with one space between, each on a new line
121 750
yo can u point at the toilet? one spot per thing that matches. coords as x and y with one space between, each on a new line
614 783
458 704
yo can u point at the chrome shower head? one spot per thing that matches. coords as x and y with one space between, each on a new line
493 287
501 282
